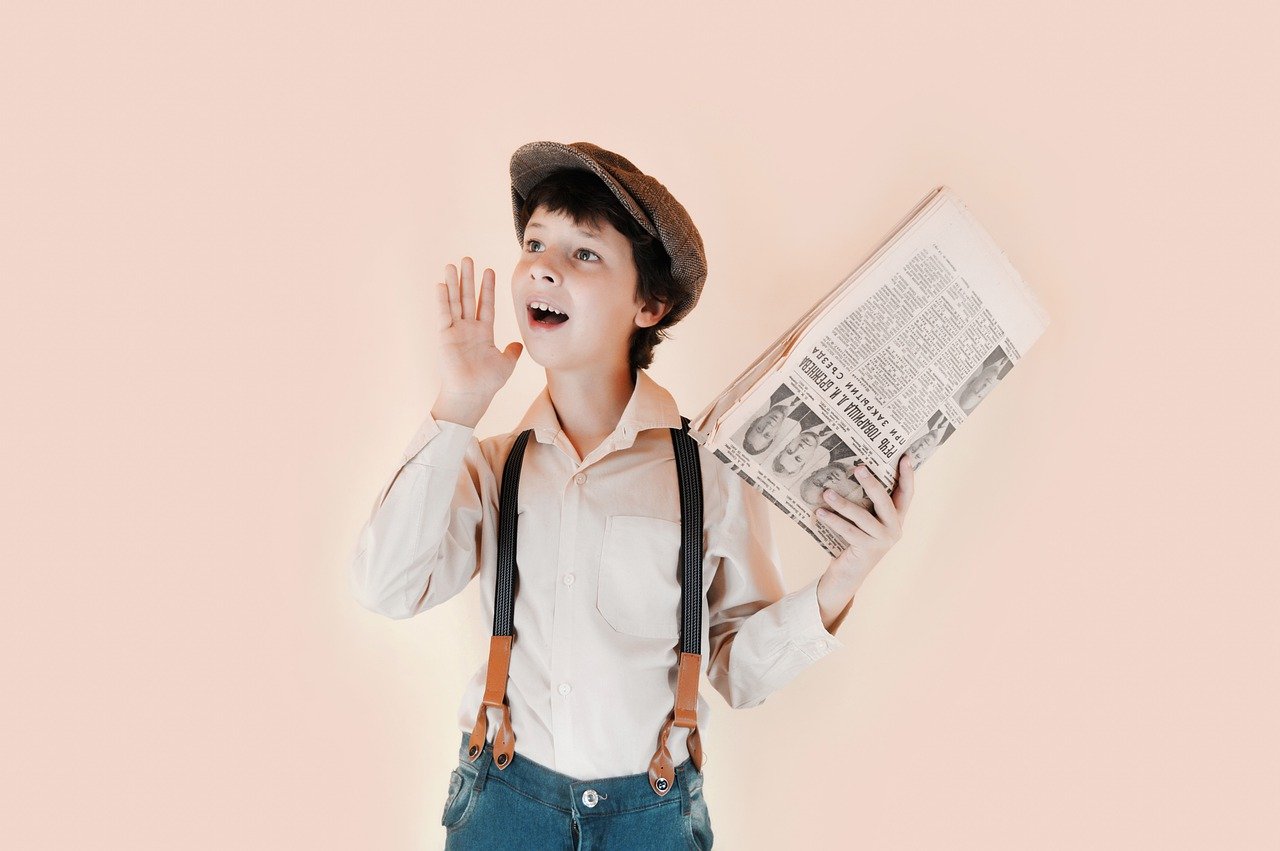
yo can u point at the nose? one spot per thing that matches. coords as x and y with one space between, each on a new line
543 271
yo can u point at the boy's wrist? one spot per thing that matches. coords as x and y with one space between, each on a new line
836 591
463 409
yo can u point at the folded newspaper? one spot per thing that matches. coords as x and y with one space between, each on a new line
893 360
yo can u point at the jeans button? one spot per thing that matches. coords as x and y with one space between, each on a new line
590 798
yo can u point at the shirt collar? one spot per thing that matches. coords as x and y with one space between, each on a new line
650 406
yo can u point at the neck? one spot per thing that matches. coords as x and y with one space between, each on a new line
590 403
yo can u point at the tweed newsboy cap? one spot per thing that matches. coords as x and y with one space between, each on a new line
647 200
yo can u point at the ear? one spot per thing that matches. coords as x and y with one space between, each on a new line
651 314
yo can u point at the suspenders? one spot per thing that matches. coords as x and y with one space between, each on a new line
685 713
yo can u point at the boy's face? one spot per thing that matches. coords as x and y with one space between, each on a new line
589 274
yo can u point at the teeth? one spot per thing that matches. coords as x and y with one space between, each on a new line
542 305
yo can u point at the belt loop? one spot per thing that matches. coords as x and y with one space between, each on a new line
682 778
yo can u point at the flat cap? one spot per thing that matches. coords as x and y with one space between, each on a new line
647 200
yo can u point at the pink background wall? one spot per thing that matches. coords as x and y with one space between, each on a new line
221 224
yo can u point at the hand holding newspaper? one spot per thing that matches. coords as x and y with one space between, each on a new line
893 360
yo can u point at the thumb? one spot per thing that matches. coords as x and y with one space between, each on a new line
513 350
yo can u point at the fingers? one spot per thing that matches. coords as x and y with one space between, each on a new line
443 314
841 522
455 298
844 508
906 486
485 311
468 291
886 511
461 293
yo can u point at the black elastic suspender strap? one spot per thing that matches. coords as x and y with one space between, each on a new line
689 476
508 507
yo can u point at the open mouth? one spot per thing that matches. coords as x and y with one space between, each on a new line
546 318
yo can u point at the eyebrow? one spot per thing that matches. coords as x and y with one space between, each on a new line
591 233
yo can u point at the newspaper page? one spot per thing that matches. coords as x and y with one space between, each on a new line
891 361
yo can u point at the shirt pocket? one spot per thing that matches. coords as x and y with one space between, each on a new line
639 588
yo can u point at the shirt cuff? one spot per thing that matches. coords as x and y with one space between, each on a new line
439 443
803 622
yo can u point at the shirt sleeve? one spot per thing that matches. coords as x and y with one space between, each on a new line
423 540
760 638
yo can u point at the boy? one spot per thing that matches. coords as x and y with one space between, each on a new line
609 260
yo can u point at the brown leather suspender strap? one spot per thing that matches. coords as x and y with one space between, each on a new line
685 713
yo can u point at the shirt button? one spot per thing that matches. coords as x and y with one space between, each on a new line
565 688
590 798
568 579
822 645
580 478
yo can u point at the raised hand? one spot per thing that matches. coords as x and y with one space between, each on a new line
472 369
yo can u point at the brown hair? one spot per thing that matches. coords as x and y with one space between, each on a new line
585 198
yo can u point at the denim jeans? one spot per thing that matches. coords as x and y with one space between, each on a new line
527 805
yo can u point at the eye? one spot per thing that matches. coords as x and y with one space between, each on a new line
529 242
589 251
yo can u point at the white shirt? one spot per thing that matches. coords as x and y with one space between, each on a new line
597 606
